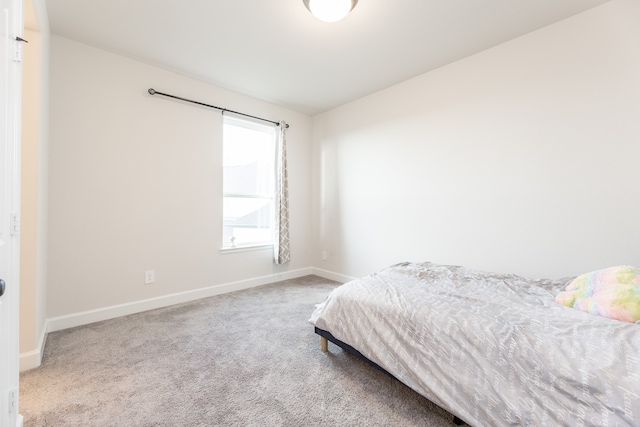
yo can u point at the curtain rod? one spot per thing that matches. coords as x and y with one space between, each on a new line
155 92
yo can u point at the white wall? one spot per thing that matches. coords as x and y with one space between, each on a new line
521 159
135 183
34 179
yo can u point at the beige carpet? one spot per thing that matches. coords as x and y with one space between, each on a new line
248 358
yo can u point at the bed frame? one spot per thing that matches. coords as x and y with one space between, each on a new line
326 336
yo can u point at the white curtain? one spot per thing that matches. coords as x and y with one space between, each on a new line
281 253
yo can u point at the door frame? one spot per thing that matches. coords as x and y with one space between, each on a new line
12 16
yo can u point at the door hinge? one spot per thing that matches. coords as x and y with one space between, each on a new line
13 400
15 224
17 52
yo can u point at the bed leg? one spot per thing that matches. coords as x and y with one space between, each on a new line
324 344
457 421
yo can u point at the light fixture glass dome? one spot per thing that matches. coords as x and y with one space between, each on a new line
330 10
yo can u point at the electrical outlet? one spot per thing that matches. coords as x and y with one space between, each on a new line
324 255
149 277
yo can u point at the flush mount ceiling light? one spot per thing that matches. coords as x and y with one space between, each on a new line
330 10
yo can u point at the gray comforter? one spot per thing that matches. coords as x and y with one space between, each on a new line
495 350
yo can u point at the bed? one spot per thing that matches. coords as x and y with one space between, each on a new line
492 349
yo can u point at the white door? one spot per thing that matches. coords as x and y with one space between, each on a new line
10 95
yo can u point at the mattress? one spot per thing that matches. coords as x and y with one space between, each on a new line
493 349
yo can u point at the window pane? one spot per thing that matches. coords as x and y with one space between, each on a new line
254 212
248 160
249 220
252 178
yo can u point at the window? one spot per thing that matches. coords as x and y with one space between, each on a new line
248 183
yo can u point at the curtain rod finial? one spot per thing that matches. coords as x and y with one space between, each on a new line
152 91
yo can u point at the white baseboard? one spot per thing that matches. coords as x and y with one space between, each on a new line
106 313
33 359
331 275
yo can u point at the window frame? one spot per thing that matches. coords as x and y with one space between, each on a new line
255 125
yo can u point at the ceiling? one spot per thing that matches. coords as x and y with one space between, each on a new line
277 51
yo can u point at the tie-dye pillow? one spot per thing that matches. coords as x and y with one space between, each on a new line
612 292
